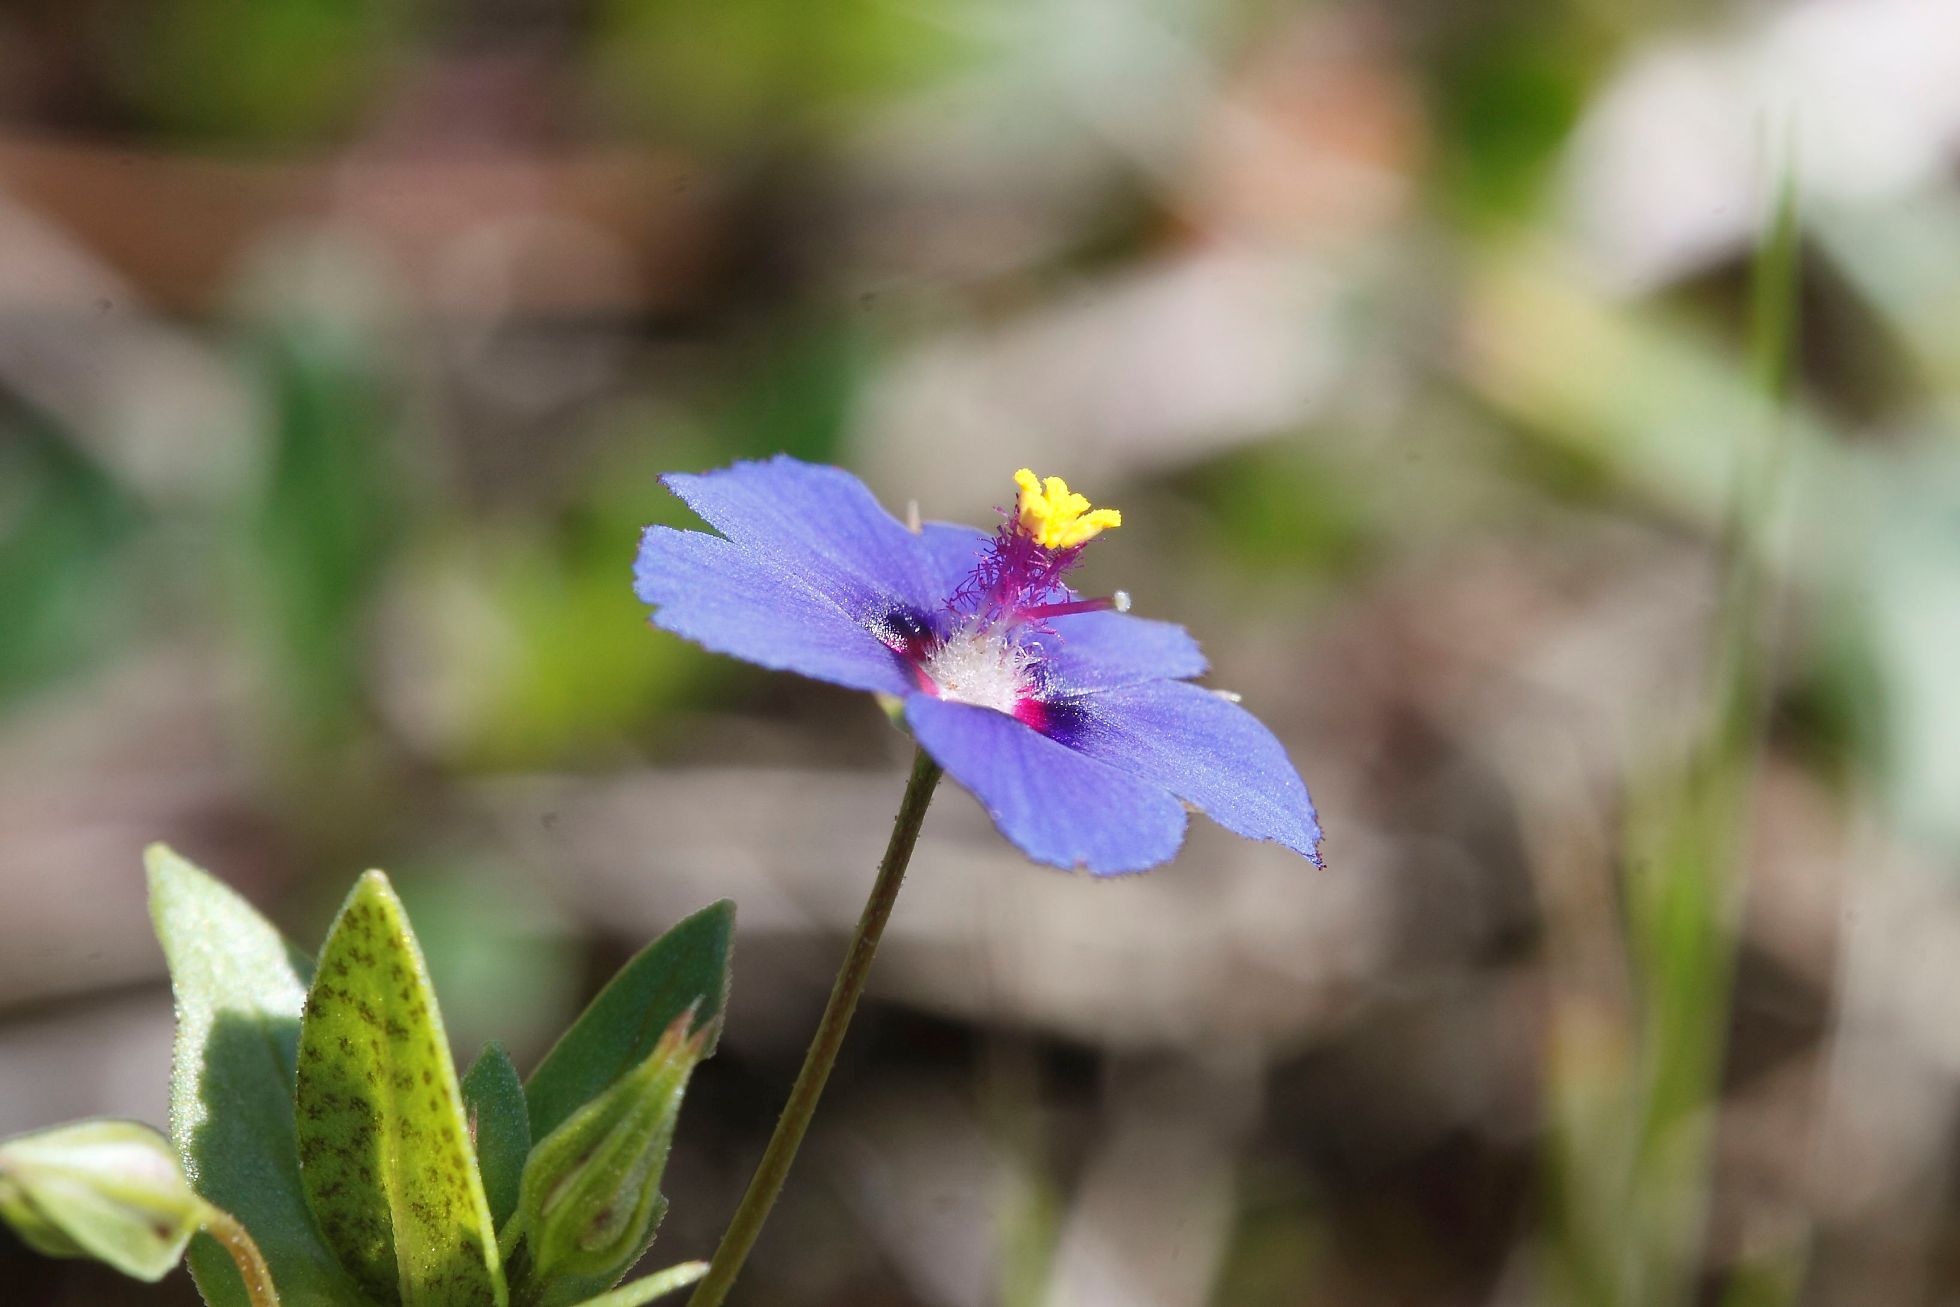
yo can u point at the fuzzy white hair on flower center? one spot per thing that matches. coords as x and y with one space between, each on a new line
979 665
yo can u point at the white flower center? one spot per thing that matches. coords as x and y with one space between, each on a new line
979 665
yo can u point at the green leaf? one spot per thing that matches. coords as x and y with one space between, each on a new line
493 1097
111 1190
239 988
384 1148
591 1197
648 1287
685 966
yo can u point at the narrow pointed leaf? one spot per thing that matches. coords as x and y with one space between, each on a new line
384 1148
493 1098
111 1190
239 989
648 1287
685 966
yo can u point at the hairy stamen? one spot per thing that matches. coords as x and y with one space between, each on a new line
1118 602
979 665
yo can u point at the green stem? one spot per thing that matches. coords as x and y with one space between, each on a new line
224 1227
803 1095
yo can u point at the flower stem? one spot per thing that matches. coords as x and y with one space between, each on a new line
770 1173
224 1227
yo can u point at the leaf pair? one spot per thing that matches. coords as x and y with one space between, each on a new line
601 1109
240 991
322 1108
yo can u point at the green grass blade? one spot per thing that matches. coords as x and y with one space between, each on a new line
1684 906
1631 1164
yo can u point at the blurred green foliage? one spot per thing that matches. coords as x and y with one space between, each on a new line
63 524
724 73
325 524
265 73
1510 82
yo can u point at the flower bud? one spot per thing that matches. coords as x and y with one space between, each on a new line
590 1197
111 1190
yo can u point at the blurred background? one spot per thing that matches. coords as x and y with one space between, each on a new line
1429 350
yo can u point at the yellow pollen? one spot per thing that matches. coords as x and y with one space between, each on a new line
1055 516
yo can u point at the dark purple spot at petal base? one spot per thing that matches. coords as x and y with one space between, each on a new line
1061 720
904 631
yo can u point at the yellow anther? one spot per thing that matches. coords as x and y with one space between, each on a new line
1055 516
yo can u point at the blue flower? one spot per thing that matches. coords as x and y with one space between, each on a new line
1075 725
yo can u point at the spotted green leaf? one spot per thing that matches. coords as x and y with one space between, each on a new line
111 1190
493 1097
384 1147
239 989
686 966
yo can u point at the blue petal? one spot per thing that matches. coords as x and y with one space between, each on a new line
1205 749
1100 651
1054 804
822 524
951 552
710 591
